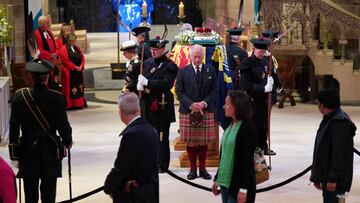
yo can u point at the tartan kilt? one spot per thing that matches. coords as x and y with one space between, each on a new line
203 134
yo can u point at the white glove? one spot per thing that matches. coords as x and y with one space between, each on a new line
269 85
139 86
142 80
15 163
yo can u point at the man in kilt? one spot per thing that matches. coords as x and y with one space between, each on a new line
196 88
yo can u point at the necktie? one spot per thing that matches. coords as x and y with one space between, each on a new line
197 72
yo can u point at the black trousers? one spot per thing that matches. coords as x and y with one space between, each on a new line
47 190
164 151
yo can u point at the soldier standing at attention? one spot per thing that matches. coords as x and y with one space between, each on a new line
257 83
158 79
141 33
236 54
129 49
39 160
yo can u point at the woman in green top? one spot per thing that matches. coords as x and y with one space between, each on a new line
236 173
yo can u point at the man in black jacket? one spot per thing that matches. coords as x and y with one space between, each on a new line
38 158
156 83
141 33
332 167
258 83
134 177
236 54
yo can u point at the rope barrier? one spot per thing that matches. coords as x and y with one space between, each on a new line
84 195
271 187
356 152
257 191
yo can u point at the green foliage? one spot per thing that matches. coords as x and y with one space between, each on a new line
5 27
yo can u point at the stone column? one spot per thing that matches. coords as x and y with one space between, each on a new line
325 34
45 7
342 43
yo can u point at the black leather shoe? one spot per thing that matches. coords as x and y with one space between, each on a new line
271 152
161 170
192 175
204 174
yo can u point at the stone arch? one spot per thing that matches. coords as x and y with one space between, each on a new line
335 25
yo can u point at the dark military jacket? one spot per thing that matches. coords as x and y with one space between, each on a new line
132 74
147 52
235 51
38 150
254 72
159 100
235 56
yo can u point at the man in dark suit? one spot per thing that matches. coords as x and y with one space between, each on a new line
38 161
196 88
235 54
134 177
157 81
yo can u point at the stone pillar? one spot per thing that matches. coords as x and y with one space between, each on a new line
342 43
45 7
325 34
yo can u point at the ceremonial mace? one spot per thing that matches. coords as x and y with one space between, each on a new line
270 93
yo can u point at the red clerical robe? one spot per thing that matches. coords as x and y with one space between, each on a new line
72 80
45 42
46 45
59 43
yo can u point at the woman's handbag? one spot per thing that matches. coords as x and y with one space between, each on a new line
261 168
61 150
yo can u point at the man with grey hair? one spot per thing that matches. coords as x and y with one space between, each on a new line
134 177
196 88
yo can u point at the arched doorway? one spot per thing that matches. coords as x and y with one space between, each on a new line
305 81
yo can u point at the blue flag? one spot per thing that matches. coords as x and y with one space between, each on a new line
224 84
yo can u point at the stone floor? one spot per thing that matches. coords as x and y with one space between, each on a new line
293 129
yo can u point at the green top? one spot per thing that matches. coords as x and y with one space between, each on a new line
227 155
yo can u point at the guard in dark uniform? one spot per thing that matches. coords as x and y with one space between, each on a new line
235 54
256 81
271 35
142 35
158 79
129 49
37 157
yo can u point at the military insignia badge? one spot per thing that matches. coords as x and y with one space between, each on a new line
136 60
152 70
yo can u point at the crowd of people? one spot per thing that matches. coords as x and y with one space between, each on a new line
146 107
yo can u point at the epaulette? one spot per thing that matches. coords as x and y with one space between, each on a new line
55 91
136 60
19 90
